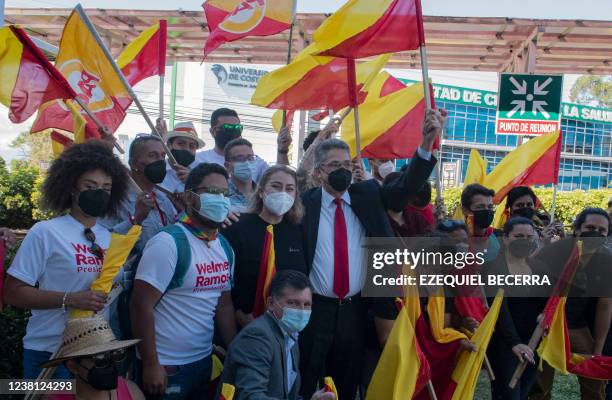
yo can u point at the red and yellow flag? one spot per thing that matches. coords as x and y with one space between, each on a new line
475 173
59 142
146 55
465 375
235 19
329 386
535 162
82 61
277 119
227 392
390 120
363 28
28 79
267 270
312 82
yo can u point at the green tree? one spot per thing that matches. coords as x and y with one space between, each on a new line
16 187
35 148
593 90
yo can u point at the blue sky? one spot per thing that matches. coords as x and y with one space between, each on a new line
555 9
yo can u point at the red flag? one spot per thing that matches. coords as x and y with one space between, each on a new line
363 28
146 55
267 270
28 78
232 20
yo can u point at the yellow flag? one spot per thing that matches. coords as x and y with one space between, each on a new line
552 346
465 374
475 173
115 256
79 122
227 392
435 310
217 368
330 386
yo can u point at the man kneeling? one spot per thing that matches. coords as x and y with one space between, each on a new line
262 361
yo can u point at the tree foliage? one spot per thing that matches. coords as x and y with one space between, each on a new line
35 149
16 187
593 90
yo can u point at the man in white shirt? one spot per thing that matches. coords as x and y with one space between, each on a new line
183 143
225 126
182 288
339 217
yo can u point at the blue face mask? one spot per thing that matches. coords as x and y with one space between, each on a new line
244 171
295 320
214 207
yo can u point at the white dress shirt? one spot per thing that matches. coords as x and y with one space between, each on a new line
322 272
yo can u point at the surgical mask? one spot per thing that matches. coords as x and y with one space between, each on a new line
94 202
483 218
155 172
104 378
522 248
340 179
224 136
526 212
244 171
214 207
295 320
183 157
278 203
385 169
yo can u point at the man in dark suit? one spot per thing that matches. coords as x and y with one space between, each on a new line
339 217
262 361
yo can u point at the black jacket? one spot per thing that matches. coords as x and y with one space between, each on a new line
366 203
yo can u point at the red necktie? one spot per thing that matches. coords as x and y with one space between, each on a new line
341 262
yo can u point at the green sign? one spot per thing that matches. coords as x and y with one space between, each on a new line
488 99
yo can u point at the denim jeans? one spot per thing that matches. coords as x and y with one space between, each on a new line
188 381
33 358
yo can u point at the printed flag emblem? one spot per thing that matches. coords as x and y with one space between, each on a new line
87 85
245 17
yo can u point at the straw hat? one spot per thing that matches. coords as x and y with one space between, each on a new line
87 337
186 130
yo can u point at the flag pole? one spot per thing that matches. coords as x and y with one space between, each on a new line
554 204
96 121
289 48
162 64
352 88
126 84
172 111
427 92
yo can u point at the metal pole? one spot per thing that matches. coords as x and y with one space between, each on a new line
161 97
173 95
126 84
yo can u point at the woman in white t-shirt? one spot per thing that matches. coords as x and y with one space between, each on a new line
59 258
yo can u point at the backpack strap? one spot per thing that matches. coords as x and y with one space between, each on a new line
183 255
229 253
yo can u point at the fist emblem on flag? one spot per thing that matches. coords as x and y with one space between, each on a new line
87 85
245 17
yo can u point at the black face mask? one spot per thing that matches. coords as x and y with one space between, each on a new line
183 157
593 239
522 248
483 218
526 212
340 179
156 171
103 378
94 202
224 136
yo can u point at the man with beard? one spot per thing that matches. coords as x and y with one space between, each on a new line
182 288
225 126
183 142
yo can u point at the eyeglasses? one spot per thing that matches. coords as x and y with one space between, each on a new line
334 165
232 127
95 248
251 157
211 190
103 360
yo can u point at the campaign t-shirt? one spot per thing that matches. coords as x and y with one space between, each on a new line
184 316
211 156
56 255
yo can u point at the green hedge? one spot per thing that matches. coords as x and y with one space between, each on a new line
568 204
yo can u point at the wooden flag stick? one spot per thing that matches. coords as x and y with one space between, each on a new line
554 204
96 121
126 84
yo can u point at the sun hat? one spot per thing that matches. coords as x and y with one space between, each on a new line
185 130
85 337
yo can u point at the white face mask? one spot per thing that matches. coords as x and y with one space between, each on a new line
278 203
386 168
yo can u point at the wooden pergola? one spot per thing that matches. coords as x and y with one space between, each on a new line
453 43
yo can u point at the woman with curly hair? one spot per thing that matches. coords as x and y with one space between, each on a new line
59 258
